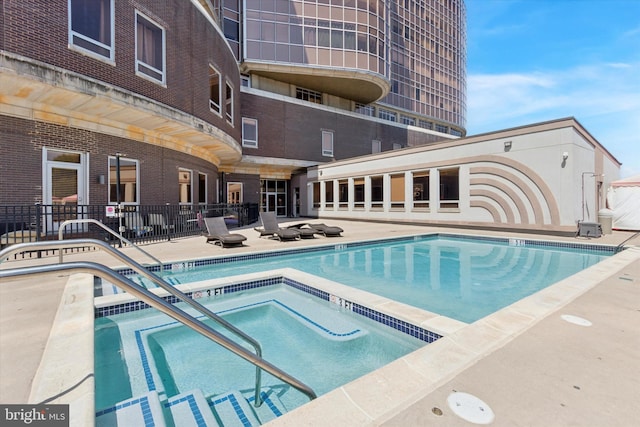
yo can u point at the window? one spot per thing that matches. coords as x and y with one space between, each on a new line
449 188
387 115
202 188
184 185
316 195
343 193
249 132
328 194
376 146
441 128
327 143
214 90
366 110
406 120
228 102
377 183
358 193
425 124
245 81
421 189
128 191
397 191
150 58
309 95
91 27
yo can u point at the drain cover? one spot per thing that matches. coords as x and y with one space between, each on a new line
470 408
575 320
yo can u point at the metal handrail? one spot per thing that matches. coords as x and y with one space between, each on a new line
109 230
166 308
46 245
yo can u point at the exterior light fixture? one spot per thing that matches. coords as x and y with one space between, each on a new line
507 145
565 155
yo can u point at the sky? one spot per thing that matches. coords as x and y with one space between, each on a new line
530 61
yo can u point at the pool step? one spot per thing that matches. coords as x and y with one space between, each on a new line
232 409
271 408
189 409
143 410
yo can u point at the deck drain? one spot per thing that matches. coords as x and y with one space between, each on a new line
575 320
470 408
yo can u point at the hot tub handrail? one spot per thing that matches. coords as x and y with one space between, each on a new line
138 268
122 239
166 308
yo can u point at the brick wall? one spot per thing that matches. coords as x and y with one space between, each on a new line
21 147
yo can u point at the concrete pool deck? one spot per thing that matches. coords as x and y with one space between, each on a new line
548 373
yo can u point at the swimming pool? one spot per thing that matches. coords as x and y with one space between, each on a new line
464 278
316 340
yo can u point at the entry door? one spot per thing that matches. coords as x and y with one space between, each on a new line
64 190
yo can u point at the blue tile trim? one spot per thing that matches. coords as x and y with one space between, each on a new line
151 385
144 407
193 406
265 399
236 407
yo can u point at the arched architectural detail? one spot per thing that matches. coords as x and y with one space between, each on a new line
501 201
483 204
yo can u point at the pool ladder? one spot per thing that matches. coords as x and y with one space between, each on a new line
155 301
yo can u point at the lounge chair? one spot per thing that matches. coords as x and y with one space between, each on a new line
327 230
218 233
306 232
271 228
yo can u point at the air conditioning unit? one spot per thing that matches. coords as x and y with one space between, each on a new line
589 229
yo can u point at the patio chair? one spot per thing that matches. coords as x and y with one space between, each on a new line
159 224
327 230
135 226
271 228
218 233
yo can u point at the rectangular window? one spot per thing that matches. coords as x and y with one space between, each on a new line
91 27
343 193
376 146
202 188
229 103
245 81
358 193
309 95
328 194
387 115
316 195
442 128
406 120
449 188
367 110
214 90
249 132
184 185
128 173
150 52
377 183
327 143
421 189
397 191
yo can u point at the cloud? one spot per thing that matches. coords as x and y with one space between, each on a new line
604 98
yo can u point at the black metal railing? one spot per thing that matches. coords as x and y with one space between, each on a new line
137 223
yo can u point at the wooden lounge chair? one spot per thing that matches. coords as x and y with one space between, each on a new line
218 233
327 230
271 228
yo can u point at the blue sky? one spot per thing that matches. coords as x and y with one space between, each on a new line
530 61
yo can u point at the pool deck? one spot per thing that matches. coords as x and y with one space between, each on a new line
551 372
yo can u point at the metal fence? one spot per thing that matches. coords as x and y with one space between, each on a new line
138 224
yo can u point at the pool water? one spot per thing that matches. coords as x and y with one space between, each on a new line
315 341
464 279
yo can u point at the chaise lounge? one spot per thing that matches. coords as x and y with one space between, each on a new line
218 233
271 228
326 230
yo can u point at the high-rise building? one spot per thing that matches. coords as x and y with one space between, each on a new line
218 101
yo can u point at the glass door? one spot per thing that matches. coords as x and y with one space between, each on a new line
64 189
